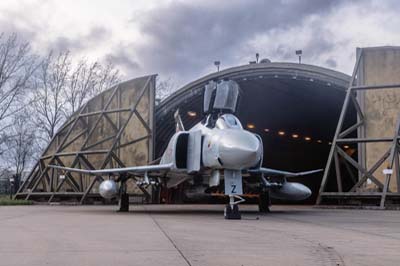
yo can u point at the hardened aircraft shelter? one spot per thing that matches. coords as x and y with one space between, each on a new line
293 107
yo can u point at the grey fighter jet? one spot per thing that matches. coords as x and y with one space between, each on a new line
218 149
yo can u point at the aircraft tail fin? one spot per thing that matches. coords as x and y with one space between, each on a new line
178 121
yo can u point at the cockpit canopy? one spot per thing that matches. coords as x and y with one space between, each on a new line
228 121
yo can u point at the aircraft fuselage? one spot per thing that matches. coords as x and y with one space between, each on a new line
229 146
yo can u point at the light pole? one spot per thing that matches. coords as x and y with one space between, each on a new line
257 56
299 53
217 64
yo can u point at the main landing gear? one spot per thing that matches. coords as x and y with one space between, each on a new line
231 211
264 202
123 202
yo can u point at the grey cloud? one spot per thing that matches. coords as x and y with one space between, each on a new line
321 39
63 43
318 44
98 33
124 61
82 42
183 39
330 62
8 25
284 52
188 37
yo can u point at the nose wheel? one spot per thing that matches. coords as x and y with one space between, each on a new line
231 211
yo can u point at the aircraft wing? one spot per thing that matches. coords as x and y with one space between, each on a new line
275 172
116 171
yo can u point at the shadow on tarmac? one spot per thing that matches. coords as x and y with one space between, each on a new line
191 210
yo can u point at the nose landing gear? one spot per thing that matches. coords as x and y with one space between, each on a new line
231 211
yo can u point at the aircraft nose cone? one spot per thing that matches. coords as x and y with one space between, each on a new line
239 150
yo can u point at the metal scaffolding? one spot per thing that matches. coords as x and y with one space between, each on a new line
360 193
113 129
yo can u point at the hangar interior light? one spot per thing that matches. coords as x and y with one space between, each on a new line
251 126
191 113
292 135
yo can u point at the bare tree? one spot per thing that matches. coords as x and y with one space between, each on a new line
49 103
107 76
61 88
86 81
55 87
21 144
82 81
17 65
164 88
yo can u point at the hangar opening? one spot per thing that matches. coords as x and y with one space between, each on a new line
293 107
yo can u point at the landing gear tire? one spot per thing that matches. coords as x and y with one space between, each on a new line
264 202
124 203
232 213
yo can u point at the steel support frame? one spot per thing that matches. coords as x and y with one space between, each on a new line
336 151
42 173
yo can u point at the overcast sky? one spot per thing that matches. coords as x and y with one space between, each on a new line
182 39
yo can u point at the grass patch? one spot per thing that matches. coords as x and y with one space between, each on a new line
6 201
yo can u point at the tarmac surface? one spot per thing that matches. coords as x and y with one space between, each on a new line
197 235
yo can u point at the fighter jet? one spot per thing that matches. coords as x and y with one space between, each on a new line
218 149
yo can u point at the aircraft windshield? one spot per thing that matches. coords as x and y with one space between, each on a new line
228 121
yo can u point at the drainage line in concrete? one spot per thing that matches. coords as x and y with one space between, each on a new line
170 240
